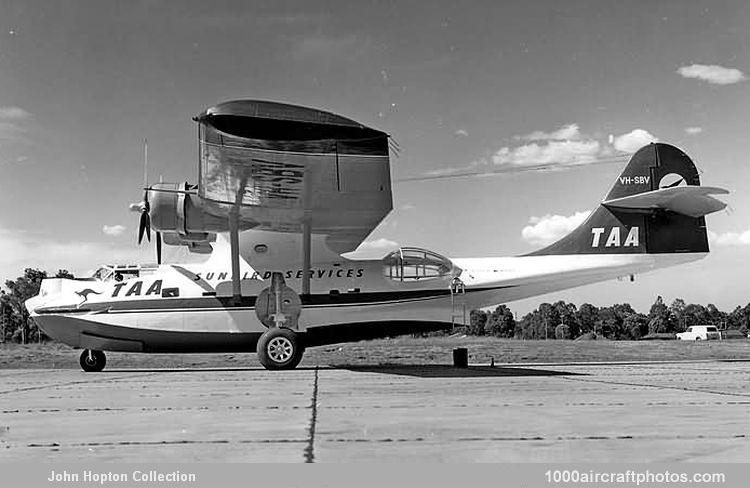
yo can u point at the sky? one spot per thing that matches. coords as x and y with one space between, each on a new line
476 86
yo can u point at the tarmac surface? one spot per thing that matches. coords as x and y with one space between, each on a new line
616 412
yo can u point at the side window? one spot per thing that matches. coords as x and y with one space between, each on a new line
170 292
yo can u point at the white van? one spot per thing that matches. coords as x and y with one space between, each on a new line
700 333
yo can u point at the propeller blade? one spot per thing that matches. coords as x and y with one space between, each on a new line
158 247
144 226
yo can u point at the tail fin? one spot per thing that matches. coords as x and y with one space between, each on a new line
656 206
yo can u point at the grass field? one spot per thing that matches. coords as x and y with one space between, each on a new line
402 350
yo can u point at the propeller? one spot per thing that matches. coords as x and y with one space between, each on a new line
144 207
144 226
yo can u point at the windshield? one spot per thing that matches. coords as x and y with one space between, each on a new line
411 263
102 274
118 272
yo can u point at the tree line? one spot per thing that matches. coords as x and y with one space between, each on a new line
562 320
15 325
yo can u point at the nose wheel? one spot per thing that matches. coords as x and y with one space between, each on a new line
92 361
279 348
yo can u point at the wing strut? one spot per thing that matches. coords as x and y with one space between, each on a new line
234 242
234 239
306 245
306 233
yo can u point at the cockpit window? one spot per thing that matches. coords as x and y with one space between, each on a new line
411 263
102 274
117 272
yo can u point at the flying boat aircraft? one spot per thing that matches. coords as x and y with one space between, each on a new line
283 191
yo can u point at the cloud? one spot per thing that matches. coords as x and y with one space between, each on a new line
13 160
712 73
568 146
553 152
461 132
13 127
691 131
730 238
545 230
541 150
13 113
11 131
113 230
475 166
436 173
633 140
566 132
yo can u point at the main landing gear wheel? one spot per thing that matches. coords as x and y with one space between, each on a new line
93 361
279 348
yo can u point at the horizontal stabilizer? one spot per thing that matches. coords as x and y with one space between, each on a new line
693 201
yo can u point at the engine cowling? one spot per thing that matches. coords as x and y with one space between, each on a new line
179 216
174 210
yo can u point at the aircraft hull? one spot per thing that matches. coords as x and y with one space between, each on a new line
218 324
87 333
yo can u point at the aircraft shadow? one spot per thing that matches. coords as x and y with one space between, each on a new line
192 369
208 369
416 370
447 371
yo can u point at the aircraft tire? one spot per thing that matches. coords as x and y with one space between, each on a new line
279 348
94 362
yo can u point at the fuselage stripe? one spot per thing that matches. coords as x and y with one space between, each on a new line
225 303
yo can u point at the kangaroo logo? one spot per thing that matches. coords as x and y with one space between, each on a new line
85 294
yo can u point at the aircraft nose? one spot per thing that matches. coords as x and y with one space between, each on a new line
33 303
43 299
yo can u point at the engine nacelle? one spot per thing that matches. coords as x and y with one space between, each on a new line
173 210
